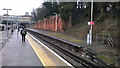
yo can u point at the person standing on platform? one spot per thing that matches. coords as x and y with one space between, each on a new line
23 33
12 31
18 29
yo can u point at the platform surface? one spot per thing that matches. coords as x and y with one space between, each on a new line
18 53
29 53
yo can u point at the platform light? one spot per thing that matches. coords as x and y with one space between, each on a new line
7 18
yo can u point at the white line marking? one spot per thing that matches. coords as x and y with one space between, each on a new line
51 51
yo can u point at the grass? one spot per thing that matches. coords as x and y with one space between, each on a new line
71 39
105 59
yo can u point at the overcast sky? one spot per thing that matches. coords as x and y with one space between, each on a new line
19 7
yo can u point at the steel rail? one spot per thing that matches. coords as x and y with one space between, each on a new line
71 50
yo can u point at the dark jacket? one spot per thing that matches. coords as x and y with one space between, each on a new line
23 32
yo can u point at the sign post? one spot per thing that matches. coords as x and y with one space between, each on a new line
89 35
91 23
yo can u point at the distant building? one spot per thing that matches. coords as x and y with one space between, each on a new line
14 20
27 13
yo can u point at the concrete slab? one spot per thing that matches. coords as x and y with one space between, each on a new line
18 53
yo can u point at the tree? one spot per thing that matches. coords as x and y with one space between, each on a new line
41 12
66 12
51 8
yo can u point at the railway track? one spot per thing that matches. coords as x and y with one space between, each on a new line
77 53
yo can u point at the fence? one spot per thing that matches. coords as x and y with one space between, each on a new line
106 39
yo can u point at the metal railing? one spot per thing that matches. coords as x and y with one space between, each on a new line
110 40
105 39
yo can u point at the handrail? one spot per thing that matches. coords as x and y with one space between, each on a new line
110 40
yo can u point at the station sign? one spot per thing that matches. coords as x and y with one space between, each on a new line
91 23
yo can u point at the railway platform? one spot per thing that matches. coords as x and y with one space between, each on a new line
31 53
106 53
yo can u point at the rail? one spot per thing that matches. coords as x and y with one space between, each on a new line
84 56
105 39
110 40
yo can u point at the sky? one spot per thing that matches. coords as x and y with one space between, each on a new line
19 7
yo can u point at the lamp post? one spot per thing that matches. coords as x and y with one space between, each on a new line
44 23
56 21
91 21
7 18
17 21
77 3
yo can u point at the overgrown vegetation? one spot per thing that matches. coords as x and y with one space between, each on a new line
101 10
71 39
106 59
105 15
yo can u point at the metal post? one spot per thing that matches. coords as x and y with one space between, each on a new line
57 1
56 21
91 21
44 23
17 23
11 23
7 23
77 3
7 20
17 27
91 10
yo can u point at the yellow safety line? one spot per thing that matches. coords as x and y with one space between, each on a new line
41 54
